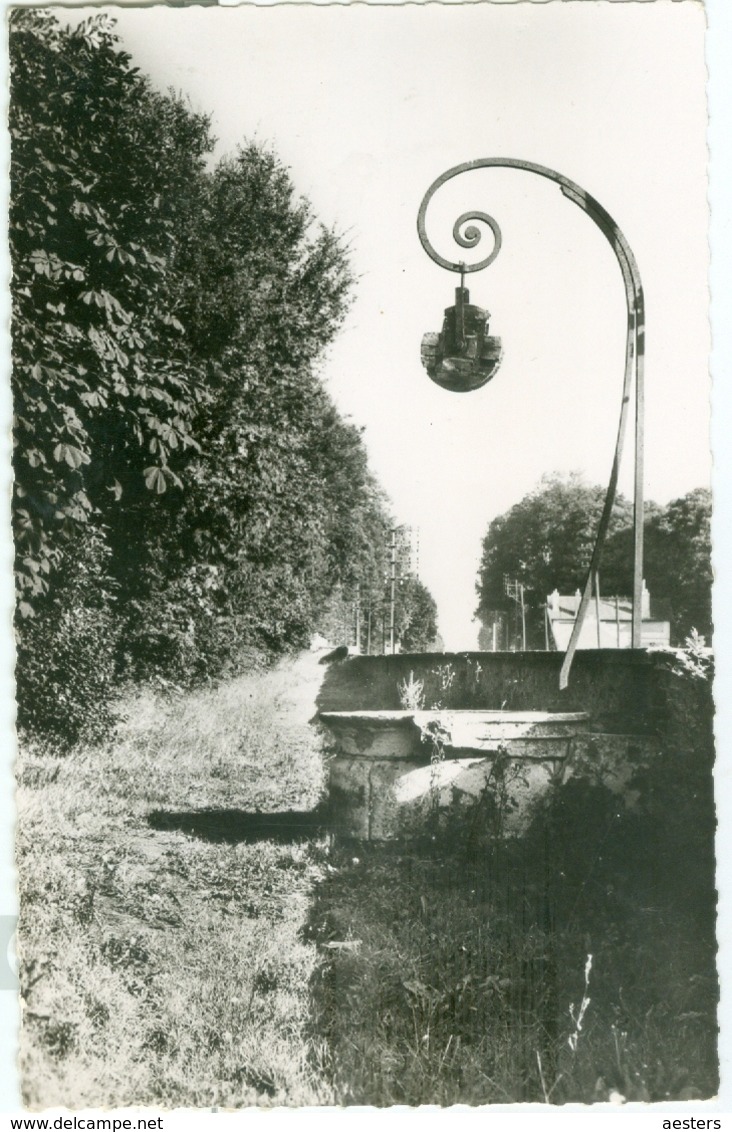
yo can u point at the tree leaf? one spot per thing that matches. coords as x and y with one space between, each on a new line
155 480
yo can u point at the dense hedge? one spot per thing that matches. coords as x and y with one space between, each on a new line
185 489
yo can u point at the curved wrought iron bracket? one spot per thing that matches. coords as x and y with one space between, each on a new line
469 237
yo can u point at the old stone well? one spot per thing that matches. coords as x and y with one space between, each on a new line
483 736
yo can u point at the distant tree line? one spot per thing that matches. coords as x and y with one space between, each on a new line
185 488
545 542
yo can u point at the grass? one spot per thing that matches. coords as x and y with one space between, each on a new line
188 938
464 979
164 965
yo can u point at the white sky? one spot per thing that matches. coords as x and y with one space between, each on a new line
367 106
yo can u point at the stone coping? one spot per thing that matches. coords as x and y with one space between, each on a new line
399 734
489 714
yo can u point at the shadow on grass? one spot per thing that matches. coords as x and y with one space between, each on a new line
240 826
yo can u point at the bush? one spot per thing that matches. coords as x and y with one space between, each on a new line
66 653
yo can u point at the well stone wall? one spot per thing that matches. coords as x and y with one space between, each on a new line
623 691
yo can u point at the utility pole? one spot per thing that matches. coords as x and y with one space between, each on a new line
392 587
523 619
515 590
597 607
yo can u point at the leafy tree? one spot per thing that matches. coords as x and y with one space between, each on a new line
544 542
103 384
415 611
681 572
416 616
267 501
356 517
677 562
176 451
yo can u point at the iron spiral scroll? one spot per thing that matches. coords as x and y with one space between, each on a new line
471 236
465 237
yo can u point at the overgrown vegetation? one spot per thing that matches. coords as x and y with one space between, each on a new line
187 938
171 429
462 974
466 963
